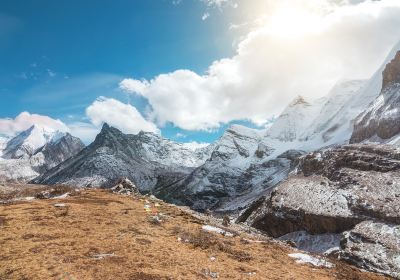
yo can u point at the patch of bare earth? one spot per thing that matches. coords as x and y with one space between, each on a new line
98 235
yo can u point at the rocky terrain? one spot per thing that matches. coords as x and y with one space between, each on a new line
95 234
241 167
353 188
34 151
381 121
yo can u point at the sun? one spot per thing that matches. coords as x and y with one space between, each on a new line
293 21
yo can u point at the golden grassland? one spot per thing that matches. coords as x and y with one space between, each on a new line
100 235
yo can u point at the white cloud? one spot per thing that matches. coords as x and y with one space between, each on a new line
300 47
120 115
205 16
134 85
11 127
216 3
84 131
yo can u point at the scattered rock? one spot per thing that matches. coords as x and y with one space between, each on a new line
125 186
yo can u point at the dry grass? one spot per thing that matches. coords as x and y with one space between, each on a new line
106 236
11 192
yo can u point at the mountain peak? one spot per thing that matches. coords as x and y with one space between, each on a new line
105 127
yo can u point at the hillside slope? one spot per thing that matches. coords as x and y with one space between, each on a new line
98 235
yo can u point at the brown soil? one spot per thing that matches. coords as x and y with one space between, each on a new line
99 235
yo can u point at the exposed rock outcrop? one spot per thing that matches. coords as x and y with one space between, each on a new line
125 186
381 121
374 247
333 191
391 74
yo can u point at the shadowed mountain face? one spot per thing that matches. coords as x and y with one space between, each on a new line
146 159
381 121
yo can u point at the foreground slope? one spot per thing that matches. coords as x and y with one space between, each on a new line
98 235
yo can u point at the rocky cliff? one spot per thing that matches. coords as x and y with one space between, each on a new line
334 190
381 121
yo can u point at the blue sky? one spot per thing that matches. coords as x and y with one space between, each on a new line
187 68
57 57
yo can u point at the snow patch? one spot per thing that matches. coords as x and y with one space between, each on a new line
213 229
307 259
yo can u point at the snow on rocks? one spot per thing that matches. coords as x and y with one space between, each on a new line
373 246
302 258
125 186
213 229
320 243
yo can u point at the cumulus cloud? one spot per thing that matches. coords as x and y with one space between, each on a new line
85 131
120 115
299 47
11 127
103 110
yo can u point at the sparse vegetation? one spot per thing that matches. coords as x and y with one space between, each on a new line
96 239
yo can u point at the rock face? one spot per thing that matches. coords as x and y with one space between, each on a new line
146 159
334 190
373 246
60 150
381 121
391 74
35 151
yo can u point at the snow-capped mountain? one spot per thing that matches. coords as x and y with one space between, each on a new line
35 151
293 121
243 166
3 144
380 122
237 169
147 159
25 144
311 124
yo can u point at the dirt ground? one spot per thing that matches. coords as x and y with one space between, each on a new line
95 234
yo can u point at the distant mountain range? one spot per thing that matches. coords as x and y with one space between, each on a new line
230 174
34 151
